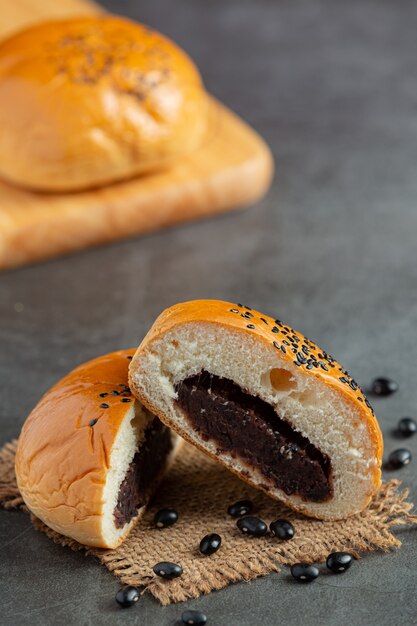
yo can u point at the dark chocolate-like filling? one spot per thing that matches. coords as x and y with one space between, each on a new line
144 468
248 428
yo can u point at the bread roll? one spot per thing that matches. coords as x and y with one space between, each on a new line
89 455
88 101
265 401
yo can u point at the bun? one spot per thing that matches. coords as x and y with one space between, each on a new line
88 101
82 462
265 401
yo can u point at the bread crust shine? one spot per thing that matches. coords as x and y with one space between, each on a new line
253 323
88 101
64 449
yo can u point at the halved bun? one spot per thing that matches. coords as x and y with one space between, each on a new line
89 455
92 100
265 401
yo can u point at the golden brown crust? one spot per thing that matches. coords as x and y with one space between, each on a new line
94 100
272 332
64 448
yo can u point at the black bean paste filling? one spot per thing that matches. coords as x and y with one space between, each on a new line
248 428
144 468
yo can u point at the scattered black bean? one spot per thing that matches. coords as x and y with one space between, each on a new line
282 529
127 596
196 618
339 562
243 507
165 517
407 426
210 544
399 458
384 386
167 570
304 572
252 526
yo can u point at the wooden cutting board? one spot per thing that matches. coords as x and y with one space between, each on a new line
232 169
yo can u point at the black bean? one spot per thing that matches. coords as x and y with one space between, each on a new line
407 426
399 458
339 562
304 572
384 386
127 596
242 507
210 544
252 526
167 570
196 618
282 528
165 517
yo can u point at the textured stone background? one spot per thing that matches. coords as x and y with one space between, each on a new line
332 249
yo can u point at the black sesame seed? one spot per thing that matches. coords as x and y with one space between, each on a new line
343 379
129 358
165 517
339 562
305 349
124 386
309 366
384 386
275 344
282 528
283 349
210 544
248 307
264 320
304 573
324 367
127 596
353 385
248 314
194 618
251 326
399 458
115 393
242 507
126 400
103 405
274 329
252 526
407 426
167 570
299 364
287 343
241 306
234 311
103 395
93 422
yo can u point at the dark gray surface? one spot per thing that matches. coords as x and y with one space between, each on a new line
332 249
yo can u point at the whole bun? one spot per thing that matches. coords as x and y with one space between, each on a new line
89 455
89 101
265 401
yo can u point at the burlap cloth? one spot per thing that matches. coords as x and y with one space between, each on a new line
201 491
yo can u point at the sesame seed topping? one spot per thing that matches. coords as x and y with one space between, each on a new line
129 358
234 311
274 329
126 400
103 395
251 326
93 422
103 405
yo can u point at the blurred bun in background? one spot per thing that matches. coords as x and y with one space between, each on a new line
89 101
